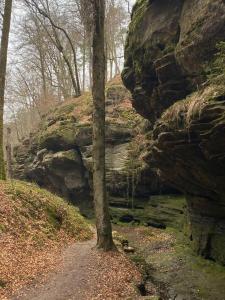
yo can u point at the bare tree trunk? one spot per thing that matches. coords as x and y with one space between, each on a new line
58 44
111 68
106 62
44 84
84 60
90 67
104 229
3 63
9 154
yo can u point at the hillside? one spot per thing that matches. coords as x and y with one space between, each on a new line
35 226
58 156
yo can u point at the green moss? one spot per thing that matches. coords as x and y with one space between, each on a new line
58 133
218 247
215 70
170 261
61 112
161 209
43 211
2 165
139 10
65 109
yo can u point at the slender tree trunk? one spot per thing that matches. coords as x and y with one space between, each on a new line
104 229
9 154
71 74
84 60
111 68
117 69
44 84
90 67
76 72
106 62
3 63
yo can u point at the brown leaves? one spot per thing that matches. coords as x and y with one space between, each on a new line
116 277
31 234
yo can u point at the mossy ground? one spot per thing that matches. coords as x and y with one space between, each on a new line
35 226
166 210
169 263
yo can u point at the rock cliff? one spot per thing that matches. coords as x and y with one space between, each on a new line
59 155
170 46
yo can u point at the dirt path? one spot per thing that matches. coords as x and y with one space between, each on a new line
88 274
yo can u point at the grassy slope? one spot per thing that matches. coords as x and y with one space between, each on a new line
34 226
81 108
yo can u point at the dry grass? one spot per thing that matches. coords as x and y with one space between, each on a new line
191 108
81 108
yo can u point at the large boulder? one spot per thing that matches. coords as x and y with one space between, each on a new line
169 45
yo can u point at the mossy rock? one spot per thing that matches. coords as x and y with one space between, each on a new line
58 136
62 160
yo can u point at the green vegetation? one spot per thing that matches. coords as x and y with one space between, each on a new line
39 215
58 133
138 14
166 260
2 165
159 209
35 227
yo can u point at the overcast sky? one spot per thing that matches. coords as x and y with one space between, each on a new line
14 55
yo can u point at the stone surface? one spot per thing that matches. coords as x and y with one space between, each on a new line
169 45
59 155
157 211
189 150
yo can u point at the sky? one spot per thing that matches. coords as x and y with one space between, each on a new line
13 57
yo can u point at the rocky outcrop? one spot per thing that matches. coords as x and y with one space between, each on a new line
168 47
59 155
168 44
61 171
189 149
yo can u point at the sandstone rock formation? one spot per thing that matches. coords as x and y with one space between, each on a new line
59 155
169 45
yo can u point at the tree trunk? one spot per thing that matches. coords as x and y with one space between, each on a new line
9 154
84 60
104 229
90 67
3 63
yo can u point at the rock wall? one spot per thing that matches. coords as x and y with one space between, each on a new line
169 45
59 155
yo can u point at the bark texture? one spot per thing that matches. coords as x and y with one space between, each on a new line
3 63
104 230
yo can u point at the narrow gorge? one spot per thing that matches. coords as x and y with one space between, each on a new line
164 150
